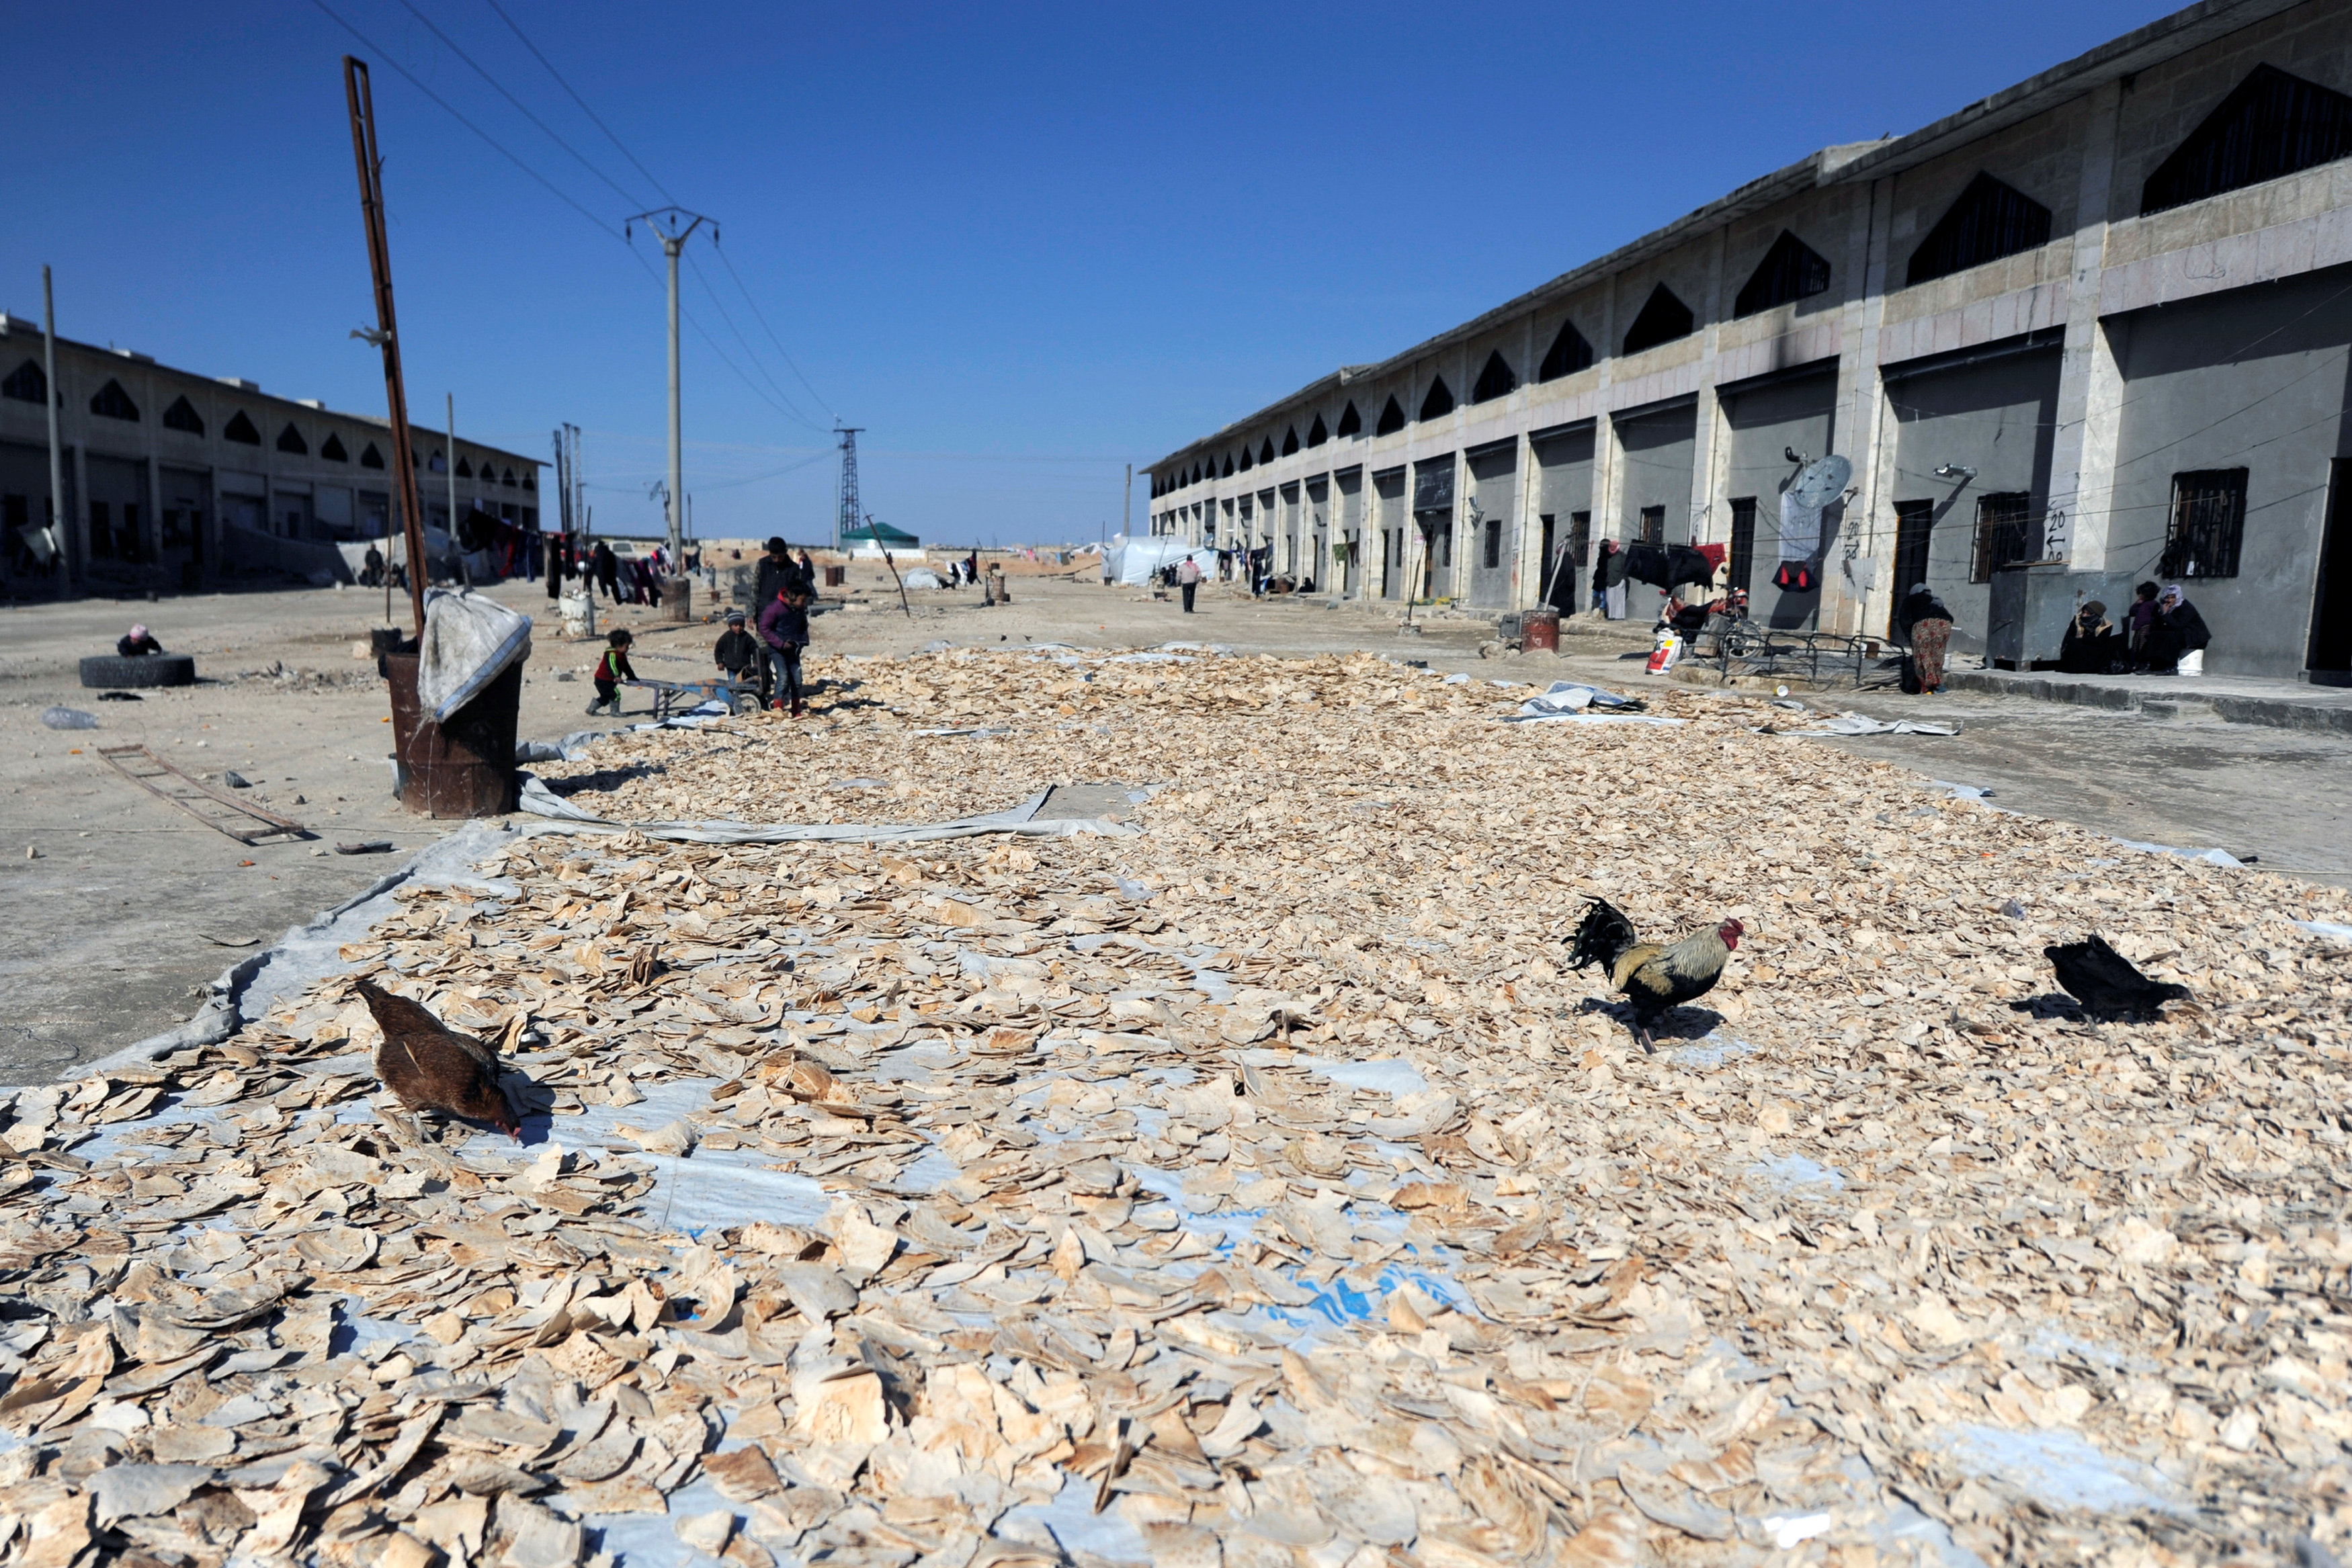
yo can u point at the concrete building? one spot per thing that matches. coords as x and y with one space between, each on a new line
177 480
2100 321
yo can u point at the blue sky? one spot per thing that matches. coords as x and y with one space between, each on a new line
1022 244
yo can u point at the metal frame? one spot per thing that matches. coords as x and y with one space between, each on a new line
271 825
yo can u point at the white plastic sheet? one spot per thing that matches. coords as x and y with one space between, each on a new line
468 642
1132 560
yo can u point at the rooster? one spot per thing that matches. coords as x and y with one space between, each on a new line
431 1067
1655 978
2105 981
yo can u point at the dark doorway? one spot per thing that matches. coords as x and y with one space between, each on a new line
1743 542
1915 521
2331 604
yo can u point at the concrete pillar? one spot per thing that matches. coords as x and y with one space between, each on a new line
2090 384
1608 472
1864 429
1708 450
78 456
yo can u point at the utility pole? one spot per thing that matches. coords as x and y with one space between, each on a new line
61 530
844 515
1127 504
673 226
386 335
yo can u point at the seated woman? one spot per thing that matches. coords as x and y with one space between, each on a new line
2092 644
2177 631
1926 625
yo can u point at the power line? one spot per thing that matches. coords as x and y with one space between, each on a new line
496 146
500 87
749 352
582 103
815 396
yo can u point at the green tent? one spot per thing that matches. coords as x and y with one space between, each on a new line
879 534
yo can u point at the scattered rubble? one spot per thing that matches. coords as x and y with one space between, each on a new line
1255 1192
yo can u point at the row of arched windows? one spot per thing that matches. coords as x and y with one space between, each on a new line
28 383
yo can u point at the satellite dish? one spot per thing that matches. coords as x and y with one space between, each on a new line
1822 481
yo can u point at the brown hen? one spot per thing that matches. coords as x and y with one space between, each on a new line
432 1067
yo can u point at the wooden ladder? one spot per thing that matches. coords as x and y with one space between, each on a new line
214 808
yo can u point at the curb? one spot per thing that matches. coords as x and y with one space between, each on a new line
2274 712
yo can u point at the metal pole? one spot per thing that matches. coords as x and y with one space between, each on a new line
364 152
449 468
61 531
1127 504
677 469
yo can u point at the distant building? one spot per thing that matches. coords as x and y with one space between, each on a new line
2091 329
177 480
868 542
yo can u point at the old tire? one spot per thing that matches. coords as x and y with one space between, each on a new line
111 671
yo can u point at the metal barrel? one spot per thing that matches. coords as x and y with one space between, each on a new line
466 767
1539 630
677 599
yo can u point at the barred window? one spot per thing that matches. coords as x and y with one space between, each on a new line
1654 525
2006 533
2208 521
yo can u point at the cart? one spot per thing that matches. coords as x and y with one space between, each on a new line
673 698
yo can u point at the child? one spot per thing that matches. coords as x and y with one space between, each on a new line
736 653
783 627
612 669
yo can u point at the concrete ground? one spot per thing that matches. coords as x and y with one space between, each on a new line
118 904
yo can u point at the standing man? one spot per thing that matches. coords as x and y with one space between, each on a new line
1188 578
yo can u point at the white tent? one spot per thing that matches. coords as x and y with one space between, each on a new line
1133 561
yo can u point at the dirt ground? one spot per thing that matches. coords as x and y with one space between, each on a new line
119 905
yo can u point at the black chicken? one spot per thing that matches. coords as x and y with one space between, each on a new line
2105 981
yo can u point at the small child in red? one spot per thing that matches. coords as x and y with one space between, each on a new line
612 669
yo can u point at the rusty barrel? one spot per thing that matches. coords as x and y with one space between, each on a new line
677 599
1539 630
836 575
463 767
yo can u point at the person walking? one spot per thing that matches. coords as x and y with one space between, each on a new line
607 567
1188 578
1927 626
783 627
612 669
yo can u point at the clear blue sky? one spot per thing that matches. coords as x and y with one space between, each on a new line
1023 245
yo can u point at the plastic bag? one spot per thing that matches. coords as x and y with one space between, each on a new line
69 719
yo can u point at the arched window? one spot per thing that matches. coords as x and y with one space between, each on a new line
1494 381
1663 318
2272 124
1791 270
27 383
1440 400
1568 354
290 440
508 479
1229 465
183 415
439 463
370 458
1247 461
465 466
1266 450
241 430
530 478
1351 422
112 402
1990 219
1316 434
1290 441
1392 418
332 449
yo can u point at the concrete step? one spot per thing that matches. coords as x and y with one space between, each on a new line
2284 705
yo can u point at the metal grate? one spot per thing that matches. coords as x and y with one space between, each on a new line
2209 522
2005 534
